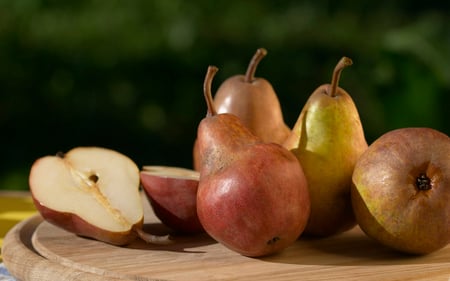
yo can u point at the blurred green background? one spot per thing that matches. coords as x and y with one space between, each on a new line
128 75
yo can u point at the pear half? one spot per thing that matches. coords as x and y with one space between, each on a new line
92 192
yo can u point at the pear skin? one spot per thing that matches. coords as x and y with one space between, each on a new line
328 139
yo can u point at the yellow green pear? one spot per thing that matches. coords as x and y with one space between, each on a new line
328 139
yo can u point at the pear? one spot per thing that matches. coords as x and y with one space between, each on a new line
328 139
254 101
401 190
92 192
252 196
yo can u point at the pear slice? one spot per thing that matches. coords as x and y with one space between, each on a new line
92 192
172 193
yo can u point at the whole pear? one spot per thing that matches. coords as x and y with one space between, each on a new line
252 196
328 139
401 190
254 101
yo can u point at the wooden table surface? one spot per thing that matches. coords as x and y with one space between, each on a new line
36 250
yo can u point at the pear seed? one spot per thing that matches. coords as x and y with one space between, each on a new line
93 178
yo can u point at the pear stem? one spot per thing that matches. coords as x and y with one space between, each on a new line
211 72
343 63
257 57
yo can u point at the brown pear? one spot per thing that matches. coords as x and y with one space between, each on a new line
328 139
254 101
252 196
401 190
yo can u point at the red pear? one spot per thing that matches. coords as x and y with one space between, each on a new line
252 196
254 101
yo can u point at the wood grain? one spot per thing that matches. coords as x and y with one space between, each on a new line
24 263
37 250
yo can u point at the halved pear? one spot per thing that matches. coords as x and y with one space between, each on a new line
92 192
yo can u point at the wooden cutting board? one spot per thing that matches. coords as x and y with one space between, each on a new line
36 250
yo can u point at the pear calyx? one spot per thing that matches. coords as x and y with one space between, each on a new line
423 182
257 57
343 63
211 72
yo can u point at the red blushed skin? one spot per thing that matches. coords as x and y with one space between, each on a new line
388 204
259 207
174 201
75 224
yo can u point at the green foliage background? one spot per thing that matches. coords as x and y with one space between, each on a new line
128 74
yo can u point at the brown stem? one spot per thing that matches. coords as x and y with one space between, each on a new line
211 72
343 63
257 57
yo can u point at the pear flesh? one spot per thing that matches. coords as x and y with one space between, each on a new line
328 139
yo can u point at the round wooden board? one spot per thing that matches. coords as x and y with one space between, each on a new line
36 250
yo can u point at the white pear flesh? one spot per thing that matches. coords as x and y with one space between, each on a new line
99 185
